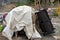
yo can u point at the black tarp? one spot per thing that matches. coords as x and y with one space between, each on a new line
44 22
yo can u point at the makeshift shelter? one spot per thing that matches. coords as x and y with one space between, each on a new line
20 18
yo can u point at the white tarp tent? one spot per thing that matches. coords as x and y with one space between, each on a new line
20 18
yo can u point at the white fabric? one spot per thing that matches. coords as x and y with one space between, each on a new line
36 34
17 19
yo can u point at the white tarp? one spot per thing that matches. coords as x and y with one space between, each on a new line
17 19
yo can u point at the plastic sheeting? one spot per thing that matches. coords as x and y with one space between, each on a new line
17 19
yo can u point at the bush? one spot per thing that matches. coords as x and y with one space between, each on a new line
55 14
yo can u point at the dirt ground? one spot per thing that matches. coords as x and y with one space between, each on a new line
7 8
55 36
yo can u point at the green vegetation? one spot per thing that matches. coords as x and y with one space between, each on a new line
0 28
19 4
28 2
31 2
55 14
